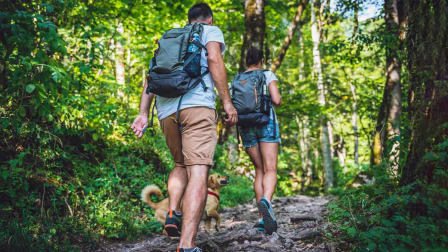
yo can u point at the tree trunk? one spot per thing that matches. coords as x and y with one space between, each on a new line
331 138
255 28
301 148
355 122
355 17
341 151
302 55
307 143
303 124
291 30
325 139
387 131
119 63
233 145
428 90
304 143
254 36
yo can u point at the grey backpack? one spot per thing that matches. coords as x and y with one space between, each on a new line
175 68
250 96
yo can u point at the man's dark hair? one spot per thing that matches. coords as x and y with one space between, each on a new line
253 56
199 11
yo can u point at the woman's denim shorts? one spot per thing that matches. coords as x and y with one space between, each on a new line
251 136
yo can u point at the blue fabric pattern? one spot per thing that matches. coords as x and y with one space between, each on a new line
252 136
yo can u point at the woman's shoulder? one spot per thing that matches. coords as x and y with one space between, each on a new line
270 76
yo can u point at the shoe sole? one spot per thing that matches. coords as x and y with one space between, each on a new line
270 225
172 230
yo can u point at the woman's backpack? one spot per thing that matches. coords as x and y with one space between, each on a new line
250 96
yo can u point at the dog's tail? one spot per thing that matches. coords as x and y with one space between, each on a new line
147 192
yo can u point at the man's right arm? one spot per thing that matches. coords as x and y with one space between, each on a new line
141 122
145 100
219 75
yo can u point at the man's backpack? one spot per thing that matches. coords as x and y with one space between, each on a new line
175 68
251 98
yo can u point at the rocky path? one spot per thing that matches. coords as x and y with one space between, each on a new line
301 224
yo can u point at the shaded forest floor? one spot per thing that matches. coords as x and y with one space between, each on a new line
301 228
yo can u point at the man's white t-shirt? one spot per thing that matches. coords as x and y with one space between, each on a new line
195 97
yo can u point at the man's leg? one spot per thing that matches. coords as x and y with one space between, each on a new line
178 176
193 204
199 138
176 186
269 154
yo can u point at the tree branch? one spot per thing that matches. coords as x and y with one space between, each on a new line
291 30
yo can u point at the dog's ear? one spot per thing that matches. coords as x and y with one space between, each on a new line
211 181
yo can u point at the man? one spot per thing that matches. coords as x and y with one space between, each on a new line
193 147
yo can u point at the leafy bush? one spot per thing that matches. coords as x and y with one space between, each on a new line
388 217
89 200
239 191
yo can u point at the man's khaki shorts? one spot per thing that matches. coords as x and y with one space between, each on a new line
195 145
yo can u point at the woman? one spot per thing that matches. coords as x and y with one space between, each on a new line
261 144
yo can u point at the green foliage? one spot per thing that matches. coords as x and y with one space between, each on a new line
240 188
89 201
386 217
71 171
239 191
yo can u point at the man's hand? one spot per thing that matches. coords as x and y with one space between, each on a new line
232 115
139 124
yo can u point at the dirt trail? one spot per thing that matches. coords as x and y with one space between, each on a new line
301 224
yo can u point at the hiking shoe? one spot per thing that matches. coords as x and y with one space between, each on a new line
260 225
196 249
270 223
173 223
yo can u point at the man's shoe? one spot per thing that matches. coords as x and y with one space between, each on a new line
270 223
260 225
173 223
196 249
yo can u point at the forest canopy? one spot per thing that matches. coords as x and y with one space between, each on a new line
364 116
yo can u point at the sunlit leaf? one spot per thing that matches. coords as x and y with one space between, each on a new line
30 88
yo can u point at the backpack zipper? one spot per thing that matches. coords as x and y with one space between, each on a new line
256 94
181 46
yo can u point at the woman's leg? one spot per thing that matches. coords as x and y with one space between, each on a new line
269 153
255 156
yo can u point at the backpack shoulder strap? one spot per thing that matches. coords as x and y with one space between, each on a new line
232 84
260 74
199 28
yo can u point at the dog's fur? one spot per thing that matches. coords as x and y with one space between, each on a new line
215 182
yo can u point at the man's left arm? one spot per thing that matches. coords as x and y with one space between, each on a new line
219 75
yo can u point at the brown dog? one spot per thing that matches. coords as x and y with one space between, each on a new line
215 182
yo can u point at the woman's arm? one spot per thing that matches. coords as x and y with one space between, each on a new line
275 94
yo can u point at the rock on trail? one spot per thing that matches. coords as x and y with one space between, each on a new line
300 218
